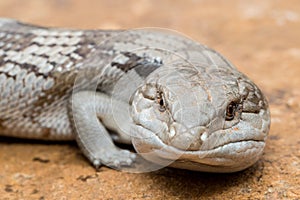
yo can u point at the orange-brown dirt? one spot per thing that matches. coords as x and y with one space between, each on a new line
260 37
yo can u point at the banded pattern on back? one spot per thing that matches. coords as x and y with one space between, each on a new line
37 70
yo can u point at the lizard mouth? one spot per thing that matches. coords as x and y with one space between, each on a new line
230 157
220 156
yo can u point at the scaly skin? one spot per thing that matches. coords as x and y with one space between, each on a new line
178 102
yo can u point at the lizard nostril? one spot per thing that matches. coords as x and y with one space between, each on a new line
172 131
198 130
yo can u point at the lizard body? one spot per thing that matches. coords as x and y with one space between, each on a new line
177 102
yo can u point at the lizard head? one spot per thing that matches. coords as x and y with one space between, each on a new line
200 118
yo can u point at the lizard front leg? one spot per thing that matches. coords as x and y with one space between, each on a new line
85 110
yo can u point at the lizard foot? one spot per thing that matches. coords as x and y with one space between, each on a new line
115 159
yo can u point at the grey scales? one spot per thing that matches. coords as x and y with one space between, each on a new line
177 102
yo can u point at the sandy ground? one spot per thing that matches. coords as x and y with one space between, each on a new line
260 37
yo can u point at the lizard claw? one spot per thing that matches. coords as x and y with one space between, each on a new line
97 163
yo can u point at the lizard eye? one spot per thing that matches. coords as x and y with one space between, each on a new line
160 101
231 110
